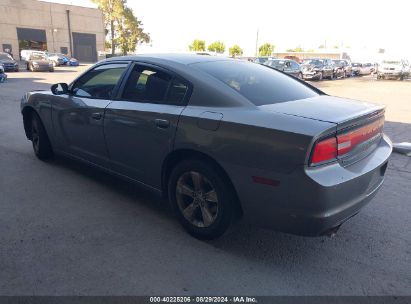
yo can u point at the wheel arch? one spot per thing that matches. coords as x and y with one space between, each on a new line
27 113
179 155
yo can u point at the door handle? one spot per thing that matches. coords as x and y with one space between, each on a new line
96 116
162 123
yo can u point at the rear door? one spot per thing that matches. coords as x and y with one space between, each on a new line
140 125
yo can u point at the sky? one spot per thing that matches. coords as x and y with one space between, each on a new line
362 25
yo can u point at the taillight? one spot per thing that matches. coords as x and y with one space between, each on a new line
324 150
348 141
329 149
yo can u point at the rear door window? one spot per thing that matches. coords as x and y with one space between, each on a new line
152 85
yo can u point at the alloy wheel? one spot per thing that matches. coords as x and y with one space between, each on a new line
197 199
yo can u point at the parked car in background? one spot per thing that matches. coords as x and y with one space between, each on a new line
25 54
8 62
285 65
57 59
345 65
367 68
262 60
305 162
38 62
355 67
295 58
3 75
398 69
318 69
73 62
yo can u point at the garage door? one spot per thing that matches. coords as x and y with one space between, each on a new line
84 47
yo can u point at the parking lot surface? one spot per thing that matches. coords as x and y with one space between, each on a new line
66 229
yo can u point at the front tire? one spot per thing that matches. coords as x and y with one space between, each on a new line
201 198
40 140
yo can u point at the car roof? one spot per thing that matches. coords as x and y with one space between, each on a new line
185 59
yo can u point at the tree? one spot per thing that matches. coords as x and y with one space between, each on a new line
130 32
235 50
197 46
124 30
217 46
266 49
336 46
322 46
297 49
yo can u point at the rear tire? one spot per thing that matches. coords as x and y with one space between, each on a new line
201 198
40 140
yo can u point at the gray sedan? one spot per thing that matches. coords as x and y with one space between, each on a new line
220 138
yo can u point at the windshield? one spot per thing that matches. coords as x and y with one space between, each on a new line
338 62
38 57
259 84
356 64
315 62
261 60
276 62
391 62
5 57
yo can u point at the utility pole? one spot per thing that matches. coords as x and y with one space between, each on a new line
256 45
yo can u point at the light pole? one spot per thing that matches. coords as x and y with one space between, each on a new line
256 45
52 36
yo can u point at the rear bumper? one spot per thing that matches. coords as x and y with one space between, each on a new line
311 201
11 68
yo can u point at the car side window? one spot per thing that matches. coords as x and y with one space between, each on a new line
146 84
151 85
177 92
294 65
99 82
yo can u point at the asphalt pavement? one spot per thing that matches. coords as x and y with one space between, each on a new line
66 229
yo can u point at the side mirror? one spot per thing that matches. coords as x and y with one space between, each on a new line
60 88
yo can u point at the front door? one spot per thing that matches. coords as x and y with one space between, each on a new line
78 117
140 126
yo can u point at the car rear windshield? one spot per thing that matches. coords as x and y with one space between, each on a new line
259 84
5 57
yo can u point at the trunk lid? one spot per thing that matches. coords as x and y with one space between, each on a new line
358 126
341 111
